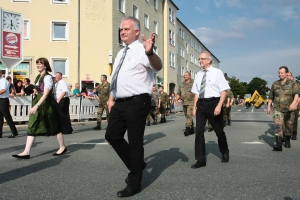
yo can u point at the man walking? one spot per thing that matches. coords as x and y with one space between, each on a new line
284 93
210 89
4 107
185 93
103 96
130 100
63 100
164 97
155 106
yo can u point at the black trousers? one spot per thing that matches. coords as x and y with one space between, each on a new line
129 115
205 111
4 112
63 115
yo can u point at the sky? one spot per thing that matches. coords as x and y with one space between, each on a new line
251 38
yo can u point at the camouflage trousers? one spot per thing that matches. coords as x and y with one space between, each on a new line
188 113
153 113
226 113
295 125
101 108
284 123
162 110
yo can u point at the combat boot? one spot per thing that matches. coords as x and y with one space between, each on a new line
98 127
294 136
278 145
224 123
287 142
191 130
154 123
148 123
283 139
187 131
229 123
164 120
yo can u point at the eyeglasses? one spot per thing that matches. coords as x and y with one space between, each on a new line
202 58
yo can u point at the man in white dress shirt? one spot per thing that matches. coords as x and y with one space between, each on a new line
4 107
62 98
129 102
210 89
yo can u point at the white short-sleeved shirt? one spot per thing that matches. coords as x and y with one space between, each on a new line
60 87
215 83
136 75
48 82
4 85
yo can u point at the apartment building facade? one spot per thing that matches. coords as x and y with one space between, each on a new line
81 38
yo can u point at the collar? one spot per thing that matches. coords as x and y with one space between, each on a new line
132 45
207 69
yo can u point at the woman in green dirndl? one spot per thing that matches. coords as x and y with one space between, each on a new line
42 119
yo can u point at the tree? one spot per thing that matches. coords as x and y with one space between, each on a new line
298 79
237 87
258 84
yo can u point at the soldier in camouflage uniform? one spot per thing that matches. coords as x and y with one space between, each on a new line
164 97
284 93
184 92
227 108
103 95
295 125
155 105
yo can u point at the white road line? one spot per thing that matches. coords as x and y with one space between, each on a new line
254 142
238 110
104 143
252 109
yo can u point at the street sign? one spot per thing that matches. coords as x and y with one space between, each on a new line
11 34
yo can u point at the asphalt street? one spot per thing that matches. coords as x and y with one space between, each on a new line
92 170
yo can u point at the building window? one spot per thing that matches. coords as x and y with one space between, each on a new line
181 52
60 1
181 71
172 59
146 21
26 29
192 75
60 30
147 1
172 37
135 12
60 65
181 33
187 48
171 15
155 27
156 4
122 6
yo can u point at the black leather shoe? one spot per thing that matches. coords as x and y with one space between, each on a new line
59 154
148 123
12 135
198 164
225 157
127 179
129 191
21 157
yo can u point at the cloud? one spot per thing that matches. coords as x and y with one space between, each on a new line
290 13
214 37
203 10
244 23
234 3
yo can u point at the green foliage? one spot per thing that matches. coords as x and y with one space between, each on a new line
257 84
298 79
237 87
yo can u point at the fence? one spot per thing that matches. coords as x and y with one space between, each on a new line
80 108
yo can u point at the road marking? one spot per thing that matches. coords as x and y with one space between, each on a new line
239 110
103 143
252 109
254 142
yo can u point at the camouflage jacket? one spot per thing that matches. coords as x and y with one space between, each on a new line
282 95
155 98
164 98
185 92
103 93
229 95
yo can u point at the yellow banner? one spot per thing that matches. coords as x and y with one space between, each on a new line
256 99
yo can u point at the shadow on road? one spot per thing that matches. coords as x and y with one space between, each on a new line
266 137
17 148
30 169
153 136
160 161
213 148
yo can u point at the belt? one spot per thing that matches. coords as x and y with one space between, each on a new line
132 97
208 99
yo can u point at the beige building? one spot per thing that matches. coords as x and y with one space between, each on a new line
82 40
